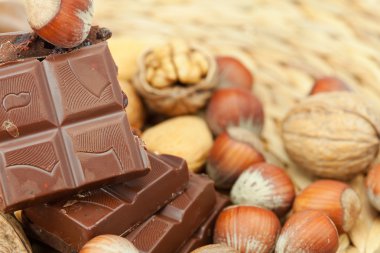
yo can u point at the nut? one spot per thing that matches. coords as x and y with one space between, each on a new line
234 107
328 84
108 244
186 136
336 199
135 109
125 50
248 229
264 185
332 135
308 232
63 23
12 237
373 186
175 63
233 73
176 79
215 248
232 153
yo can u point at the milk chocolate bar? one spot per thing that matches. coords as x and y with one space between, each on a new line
204 234
168 230
63 128
68 224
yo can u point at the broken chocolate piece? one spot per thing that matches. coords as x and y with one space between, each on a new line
170 228
63 128
204 234
67 225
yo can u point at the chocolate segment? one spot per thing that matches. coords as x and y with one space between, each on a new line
63 128
117 209
204 234
169 229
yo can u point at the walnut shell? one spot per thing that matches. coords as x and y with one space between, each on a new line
332 135
178 99
12 237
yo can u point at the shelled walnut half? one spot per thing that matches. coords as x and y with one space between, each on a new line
177 78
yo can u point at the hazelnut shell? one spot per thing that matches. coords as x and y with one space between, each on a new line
108 244
309 232
336 199
63 23
264 185
232 153
248 229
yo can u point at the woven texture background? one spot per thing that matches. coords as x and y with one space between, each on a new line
285 43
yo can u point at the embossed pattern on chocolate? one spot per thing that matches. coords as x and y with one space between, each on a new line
63 128
170 228
68 224
203 235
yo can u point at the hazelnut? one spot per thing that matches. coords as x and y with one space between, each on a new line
328 84
264 185
215 248
373 186
63 23
308 232
332 135
108 244
248 229
232 153
233 73
234 107
336 199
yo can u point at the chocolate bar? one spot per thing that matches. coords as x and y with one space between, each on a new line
63 128
204 234
21 45
169 229
67 225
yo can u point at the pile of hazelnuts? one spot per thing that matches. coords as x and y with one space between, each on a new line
263 194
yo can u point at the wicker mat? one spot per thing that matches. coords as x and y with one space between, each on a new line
286 44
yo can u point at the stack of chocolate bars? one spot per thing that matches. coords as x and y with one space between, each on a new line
70 161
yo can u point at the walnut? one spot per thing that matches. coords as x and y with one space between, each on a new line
12 237
176 78
332 135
